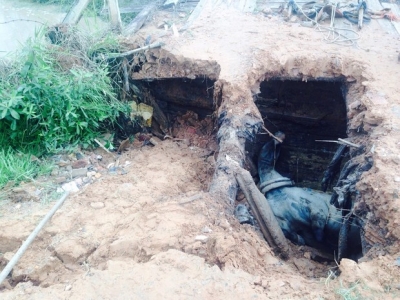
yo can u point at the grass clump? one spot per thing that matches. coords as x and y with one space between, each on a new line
18 167
351 293
52 97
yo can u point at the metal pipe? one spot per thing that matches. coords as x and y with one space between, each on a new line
30 238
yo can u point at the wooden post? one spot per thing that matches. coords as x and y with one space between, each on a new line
75 14
139 20
115 16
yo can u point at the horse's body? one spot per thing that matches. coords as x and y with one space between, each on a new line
305 216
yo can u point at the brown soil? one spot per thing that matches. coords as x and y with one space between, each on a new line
155 232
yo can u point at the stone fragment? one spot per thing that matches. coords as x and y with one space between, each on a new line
63 163
97 205
68 287
78 172
201 238
60 179
78 164
206 229
70 187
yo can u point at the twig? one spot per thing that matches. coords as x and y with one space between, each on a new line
151 46
102 146
271 135
193 198
340 141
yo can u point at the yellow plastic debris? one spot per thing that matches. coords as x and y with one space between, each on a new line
143 110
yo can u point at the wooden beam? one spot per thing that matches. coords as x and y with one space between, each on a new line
375 5
115 16
396 11
75 13
139 20
195 14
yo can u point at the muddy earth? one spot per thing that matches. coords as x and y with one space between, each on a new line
152 222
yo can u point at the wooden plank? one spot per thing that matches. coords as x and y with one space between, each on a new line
375 5
75 13
196 12
395 9
115 16
139 20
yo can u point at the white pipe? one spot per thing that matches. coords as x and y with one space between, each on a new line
30 238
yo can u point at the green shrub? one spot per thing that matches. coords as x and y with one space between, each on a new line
52 97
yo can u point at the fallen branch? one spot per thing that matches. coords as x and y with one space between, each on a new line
151 46
271 135
192 198
30 238
102 146
262 212
340 141
140 18
75 13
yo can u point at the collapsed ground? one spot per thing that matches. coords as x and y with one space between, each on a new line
139 223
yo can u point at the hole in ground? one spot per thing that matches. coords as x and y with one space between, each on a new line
183 109
305 112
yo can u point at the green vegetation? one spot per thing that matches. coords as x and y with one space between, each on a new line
45 105
17 167
351 293
53 98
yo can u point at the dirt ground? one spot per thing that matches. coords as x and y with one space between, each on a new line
153 230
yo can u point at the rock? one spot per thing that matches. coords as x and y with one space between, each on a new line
97 205
397 179
61 179
267 11
155 141
201 238
79 182
293 19
264 283
70 187
91 174
79 155
71 251
261 251
99 157
78 164
97 175
68 287
78 172
206 229
63 163
224 224
55 171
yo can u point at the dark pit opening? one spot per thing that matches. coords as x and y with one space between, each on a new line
178 95
305 112
183 109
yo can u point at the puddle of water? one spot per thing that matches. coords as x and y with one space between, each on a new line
15 33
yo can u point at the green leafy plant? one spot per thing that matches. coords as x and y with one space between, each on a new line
54 96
